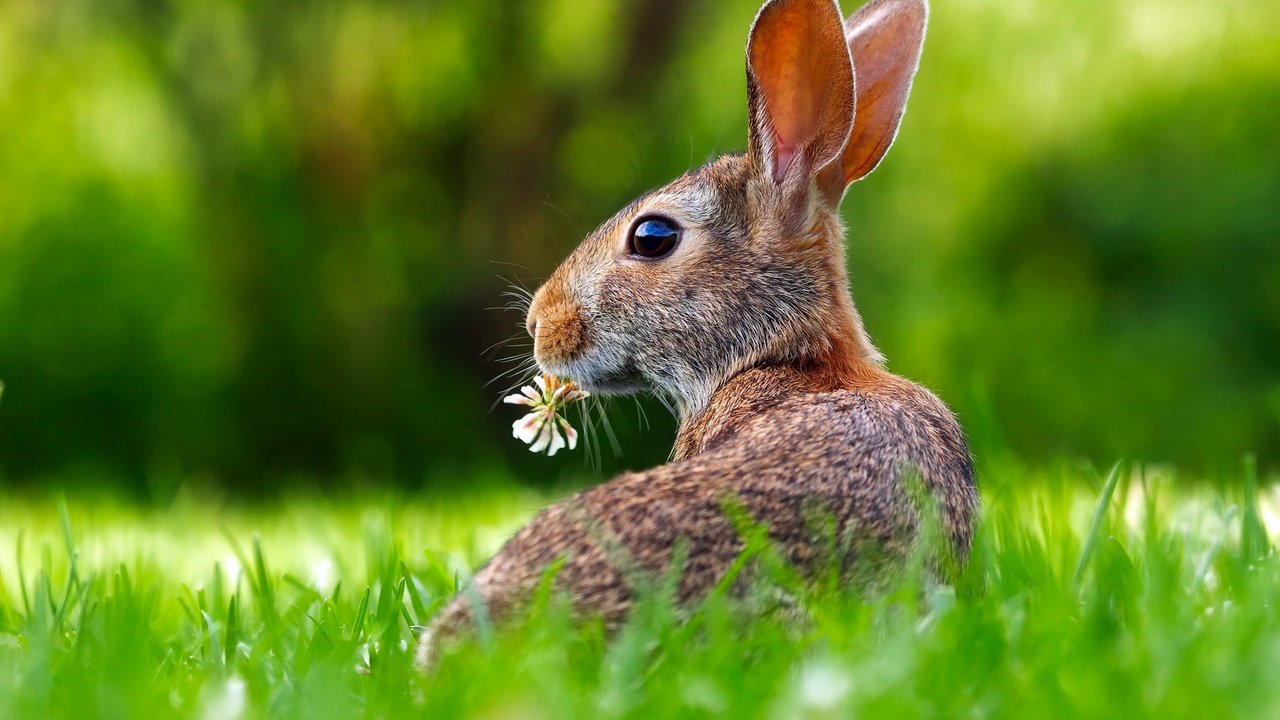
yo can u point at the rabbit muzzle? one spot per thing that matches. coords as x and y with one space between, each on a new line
563 345
558 331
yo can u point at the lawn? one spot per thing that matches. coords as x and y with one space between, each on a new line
1117 593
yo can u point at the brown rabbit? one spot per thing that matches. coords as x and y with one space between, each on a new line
726 292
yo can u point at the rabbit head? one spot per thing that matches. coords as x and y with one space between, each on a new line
741 262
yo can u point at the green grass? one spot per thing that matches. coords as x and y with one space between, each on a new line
1088 595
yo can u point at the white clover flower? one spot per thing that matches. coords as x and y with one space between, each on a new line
541 428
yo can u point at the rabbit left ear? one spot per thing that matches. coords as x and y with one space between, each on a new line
799 89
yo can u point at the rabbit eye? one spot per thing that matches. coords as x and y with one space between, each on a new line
654 237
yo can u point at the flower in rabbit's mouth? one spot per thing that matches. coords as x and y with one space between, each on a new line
542 427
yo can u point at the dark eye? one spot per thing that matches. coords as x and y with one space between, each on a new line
654 237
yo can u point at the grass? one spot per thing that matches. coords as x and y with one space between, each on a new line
1120 594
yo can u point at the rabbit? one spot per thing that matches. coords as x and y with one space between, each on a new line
726 292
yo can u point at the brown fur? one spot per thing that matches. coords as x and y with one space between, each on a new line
560 319
749 328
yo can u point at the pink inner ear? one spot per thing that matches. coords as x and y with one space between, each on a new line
784 153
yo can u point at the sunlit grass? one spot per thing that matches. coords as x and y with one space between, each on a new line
1115 594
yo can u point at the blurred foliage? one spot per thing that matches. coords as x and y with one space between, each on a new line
250 239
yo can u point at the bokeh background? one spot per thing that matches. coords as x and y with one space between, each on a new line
258 242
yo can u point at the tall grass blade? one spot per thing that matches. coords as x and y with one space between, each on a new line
1099 518
1254 544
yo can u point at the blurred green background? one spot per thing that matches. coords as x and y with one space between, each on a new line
254 241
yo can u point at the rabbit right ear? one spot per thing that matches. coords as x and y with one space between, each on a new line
799 91
885 39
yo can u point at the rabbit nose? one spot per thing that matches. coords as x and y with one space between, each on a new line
531 324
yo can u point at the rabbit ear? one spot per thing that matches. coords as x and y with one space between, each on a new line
799 89
885 38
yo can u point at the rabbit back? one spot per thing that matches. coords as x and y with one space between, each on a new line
846 457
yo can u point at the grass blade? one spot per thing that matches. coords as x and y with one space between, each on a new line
1099 516
1254 544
